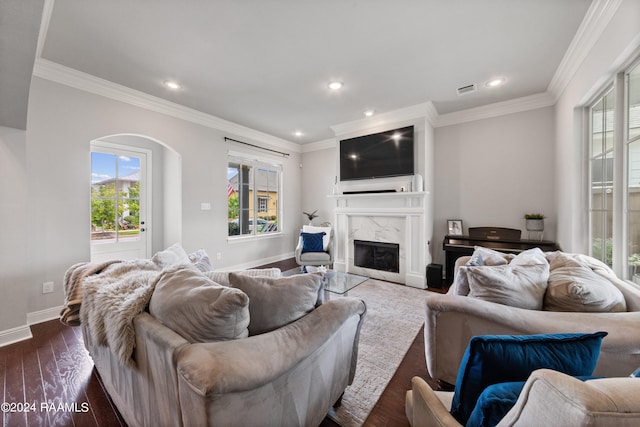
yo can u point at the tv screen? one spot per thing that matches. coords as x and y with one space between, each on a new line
379 155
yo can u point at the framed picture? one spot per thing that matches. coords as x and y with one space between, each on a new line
454 226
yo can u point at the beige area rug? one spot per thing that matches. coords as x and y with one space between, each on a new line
395 314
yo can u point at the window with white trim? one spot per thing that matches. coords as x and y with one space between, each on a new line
253 196
614 174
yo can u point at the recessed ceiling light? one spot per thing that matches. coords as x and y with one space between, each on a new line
172 84
298 133
495 82
369 113
335 85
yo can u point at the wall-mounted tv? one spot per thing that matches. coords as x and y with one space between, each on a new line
379 155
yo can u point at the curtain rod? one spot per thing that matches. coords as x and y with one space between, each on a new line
256 146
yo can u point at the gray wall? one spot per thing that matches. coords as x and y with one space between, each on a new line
491 172
62 123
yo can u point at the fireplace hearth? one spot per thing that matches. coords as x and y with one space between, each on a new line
377 255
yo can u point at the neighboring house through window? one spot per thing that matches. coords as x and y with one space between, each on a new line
253 196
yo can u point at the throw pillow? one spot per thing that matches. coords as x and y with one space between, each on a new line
173 255
200 259
315 229
200 310
520 286
312 242
276 302
493 359
481 256
533 256
222 277
578 288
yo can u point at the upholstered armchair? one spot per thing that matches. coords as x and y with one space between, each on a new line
306 254
549 398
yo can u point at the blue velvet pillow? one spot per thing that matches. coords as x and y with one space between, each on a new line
498 399
492 359
312 242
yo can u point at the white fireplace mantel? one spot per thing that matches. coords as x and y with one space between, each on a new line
397 217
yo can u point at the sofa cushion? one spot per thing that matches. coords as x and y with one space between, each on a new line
275 302
222 277
200 310
492 359
312 242
578 288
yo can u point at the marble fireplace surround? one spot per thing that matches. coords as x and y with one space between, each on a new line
398 217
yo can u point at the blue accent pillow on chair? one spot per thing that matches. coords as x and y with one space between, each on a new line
312 242
492 359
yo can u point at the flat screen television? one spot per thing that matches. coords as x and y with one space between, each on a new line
379 155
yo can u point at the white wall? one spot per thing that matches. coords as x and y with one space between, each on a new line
14 228
619 42
491 172
62 122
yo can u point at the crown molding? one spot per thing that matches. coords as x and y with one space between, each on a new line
593 25
57 73
424 110
497 109
320 145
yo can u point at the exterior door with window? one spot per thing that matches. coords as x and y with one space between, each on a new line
119 227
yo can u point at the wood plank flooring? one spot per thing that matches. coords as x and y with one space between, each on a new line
49 380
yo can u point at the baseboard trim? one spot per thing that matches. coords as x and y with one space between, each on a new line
257 262
44 315
14 335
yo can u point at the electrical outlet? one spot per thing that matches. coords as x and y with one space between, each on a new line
47 287
219 256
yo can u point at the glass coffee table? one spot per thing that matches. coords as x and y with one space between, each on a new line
339 282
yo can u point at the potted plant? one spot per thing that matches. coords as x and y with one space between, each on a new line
534 222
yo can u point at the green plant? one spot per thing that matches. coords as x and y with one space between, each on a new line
534 216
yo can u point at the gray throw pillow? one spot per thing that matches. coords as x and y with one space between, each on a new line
520 286
200 310
578 288
276 302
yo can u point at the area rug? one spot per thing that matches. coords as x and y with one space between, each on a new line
395 314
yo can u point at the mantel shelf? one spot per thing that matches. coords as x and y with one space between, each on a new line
380 195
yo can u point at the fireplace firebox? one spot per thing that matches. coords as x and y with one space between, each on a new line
377 255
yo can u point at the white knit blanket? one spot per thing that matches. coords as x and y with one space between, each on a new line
111 300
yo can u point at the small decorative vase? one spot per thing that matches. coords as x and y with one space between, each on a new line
535 224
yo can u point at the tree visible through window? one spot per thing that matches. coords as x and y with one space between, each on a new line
253 197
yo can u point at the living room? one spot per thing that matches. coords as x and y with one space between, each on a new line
487 165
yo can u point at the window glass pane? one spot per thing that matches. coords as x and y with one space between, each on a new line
597 112
634 246
608 121
601 244
253 197
103 197
634 103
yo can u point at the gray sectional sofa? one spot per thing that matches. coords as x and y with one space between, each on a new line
204 362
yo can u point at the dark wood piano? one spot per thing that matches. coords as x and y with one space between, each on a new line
497 238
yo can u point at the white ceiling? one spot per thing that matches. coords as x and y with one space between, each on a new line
265 64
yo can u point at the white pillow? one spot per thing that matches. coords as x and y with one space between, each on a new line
491 257
520 286
578 288
173 255
314 229
532 256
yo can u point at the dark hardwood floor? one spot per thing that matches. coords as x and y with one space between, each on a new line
49 380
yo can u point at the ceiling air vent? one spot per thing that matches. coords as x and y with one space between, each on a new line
466 89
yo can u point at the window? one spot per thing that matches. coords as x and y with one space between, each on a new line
253 196
614 194
632 140
601 177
